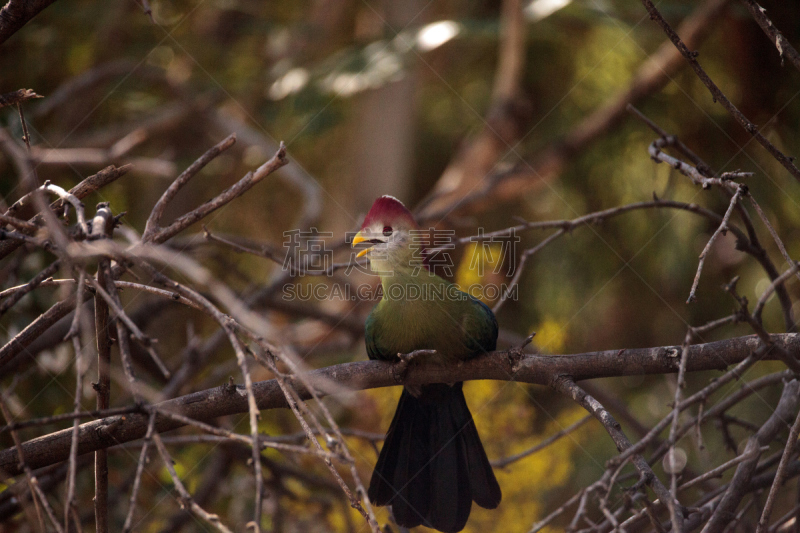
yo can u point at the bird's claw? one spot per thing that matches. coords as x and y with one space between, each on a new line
400 368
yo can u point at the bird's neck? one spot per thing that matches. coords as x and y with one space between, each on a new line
408 283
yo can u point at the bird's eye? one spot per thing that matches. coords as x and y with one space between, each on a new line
387 230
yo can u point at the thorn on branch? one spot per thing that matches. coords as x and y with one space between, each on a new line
230 387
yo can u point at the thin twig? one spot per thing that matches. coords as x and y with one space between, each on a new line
159 235
123 337
780 474
186 500
22 225
717 472
786 409
775 237
73 200
227 325
47 420
677 521
74 327
520 267
37 280
785 48
568 387
723 227
103 385
17 97
716 93
260 443
80 369
120 315
762 300
40 500
126 528
296 404
153 221
505 461
788 358
268 253
695 174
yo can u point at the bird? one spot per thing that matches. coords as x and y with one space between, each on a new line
432 465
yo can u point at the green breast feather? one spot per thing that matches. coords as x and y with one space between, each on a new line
457 325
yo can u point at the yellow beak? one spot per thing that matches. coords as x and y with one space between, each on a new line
359 238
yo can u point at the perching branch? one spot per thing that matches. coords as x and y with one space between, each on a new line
529 368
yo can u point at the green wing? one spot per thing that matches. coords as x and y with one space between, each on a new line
371 336
482 331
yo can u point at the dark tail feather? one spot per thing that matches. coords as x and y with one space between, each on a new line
432 465
403 464
484 486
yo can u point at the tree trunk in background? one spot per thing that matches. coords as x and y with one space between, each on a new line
383 125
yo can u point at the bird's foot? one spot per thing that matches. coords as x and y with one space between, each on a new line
400 368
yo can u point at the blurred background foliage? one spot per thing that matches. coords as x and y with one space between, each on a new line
375 97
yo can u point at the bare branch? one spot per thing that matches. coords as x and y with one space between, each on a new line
154 221
101 228
18 96
716 93
69 506
8 303
16 13
505 461
762 300
549 163
785 48
717 472
39 499
775 237
148 437
159 235
520 267
72 199
568 387
23 206
186 498
780 474
530 368
785 411
120 315
21 225
38 326
723 227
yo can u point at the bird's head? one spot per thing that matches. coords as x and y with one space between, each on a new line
389 227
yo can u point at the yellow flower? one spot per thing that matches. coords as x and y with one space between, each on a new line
551 336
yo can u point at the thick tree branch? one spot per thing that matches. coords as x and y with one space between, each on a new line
527 368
